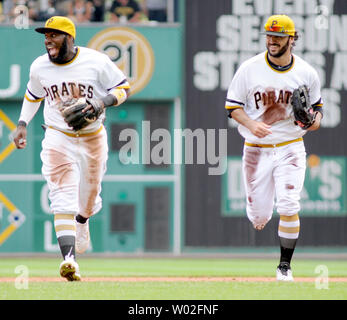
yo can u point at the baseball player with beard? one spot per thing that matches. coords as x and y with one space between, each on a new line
73 157
274 157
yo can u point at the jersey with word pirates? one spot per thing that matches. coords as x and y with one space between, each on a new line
91 74
264 93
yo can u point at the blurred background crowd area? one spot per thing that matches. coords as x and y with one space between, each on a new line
86 11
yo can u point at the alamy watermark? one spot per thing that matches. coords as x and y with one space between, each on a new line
322 280
200 147
22 280
21 21
321 22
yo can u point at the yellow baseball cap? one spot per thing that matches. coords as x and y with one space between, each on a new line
280 25
58 23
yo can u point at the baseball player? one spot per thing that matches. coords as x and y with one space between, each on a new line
274 157
74 154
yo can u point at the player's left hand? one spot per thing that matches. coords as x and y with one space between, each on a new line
79 113
95 105
316 123
302 109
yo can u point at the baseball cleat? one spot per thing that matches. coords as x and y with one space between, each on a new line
70 270
284 272
82 236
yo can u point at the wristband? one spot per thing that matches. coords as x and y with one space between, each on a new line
22 123
120 94
109 100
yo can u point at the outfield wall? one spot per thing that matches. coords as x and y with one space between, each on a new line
179 74
218 39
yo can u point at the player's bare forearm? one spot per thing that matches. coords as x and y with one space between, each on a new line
316 123
258 128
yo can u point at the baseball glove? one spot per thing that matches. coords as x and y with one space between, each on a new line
73 115
302 109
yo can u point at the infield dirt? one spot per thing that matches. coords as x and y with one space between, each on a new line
170 279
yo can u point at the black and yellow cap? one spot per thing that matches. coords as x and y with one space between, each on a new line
58 23
280 25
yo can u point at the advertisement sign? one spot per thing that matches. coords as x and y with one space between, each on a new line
324 192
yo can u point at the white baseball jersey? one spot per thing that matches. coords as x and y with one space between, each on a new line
91 74
264 93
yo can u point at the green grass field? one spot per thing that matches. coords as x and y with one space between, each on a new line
170 290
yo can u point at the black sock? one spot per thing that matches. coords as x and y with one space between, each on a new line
286 255
81 219
67 246
287 249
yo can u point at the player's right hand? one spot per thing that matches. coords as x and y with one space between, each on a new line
259 129
20 136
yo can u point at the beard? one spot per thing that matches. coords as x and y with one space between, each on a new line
281 52
61 58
